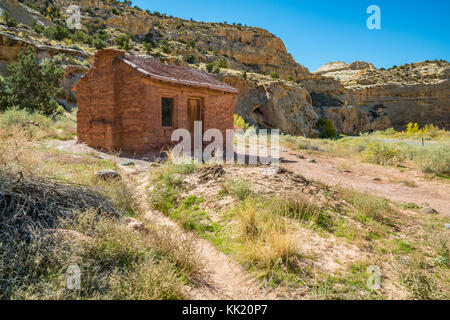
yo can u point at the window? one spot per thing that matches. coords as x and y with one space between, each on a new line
166 111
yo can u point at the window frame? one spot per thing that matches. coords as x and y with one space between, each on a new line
172 110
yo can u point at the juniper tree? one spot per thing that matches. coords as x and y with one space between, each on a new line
30 85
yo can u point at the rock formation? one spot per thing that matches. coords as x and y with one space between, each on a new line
357 97
274 104
380 99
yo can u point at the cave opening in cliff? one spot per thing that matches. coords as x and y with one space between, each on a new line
257 115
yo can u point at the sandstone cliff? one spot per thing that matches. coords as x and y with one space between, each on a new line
357 97
273 104
379 98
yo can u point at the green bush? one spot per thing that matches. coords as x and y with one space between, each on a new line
81 37
216 66
274 75
31 86
98 43
18 117
190 59
435 161
9 19
38 28
165 47
326 129
57 33
123 41
385 153
148 46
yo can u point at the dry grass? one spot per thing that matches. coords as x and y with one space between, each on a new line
38 126
371 207
116 262
263 241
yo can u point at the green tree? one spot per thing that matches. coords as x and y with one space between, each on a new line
98 43
31 86
123 41
326 129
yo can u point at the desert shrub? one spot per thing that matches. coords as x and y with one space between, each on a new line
123 42
165 47
216 66
9 20
241 188
190 217
36 125
301 209
190 59
165 194
210 67
178 247
57 33
31 86
148 46
274 75
441 244
221 63
326 129
114 261
385 153
368 206
239 122
435 160
38 27
81 37
98 43
20 117
265 243
298 143
420 284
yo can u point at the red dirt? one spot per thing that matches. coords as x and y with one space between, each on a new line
382 181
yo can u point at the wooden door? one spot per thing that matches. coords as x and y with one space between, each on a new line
194 112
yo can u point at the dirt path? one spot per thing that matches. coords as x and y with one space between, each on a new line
221 278
404 187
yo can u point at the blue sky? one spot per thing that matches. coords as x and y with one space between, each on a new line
319 31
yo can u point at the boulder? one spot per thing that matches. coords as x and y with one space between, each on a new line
108 175
429 210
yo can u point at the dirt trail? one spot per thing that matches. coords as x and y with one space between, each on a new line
221 278
388 182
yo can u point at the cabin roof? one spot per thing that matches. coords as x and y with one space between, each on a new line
175 74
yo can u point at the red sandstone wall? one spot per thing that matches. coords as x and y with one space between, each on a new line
96 99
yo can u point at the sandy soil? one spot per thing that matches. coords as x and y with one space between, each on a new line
383 181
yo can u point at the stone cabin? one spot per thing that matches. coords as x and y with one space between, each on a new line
133 103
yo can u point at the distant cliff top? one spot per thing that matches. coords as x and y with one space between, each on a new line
365 74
